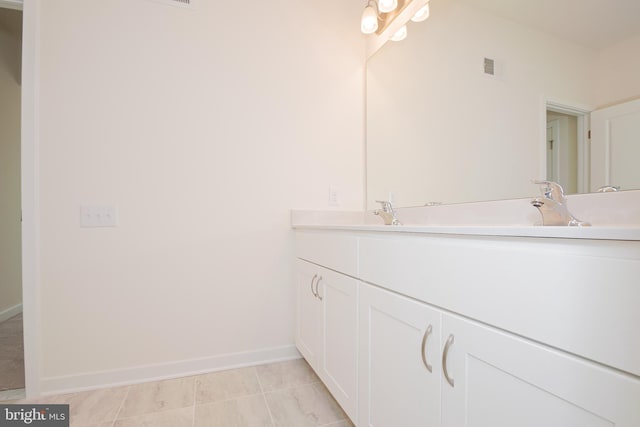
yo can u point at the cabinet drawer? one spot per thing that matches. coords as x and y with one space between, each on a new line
335 251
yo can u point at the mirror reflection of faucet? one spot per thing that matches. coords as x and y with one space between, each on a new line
387 213
607 189
553 206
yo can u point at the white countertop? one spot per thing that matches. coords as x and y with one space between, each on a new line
595 233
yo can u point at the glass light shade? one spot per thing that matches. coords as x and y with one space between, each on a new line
386 6
422 14
369 23
400 35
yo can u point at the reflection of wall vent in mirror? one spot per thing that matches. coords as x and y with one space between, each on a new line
489 66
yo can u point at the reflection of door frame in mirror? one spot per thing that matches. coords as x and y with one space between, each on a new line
582 117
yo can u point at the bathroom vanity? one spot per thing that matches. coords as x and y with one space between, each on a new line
472 326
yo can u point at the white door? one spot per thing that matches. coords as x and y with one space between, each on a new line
399 377
500 380
553 168
339 356
615 146
309 314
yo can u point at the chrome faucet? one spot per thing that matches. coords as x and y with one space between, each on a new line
553 206
387 213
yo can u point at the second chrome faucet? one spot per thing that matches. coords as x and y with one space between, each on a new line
553 206
387 213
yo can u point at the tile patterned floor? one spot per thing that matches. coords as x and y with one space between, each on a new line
11 354
286 394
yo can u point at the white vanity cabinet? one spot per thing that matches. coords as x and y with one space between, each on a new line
327 329
399 360
501 380
480 376
309 313
464 331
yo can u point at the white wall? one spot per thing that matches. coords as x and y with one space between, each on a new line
10 266
618 70
205 127
441 130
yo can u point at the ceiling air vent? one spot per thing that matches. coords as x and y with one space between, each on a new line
489 66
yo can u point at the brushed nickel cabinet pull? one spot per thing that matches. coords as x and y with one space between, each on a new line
312 291
317 291
445 353
423 348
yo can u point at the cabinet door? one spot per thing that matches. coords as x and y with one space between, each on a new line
338 294
395 386
503 381
309 314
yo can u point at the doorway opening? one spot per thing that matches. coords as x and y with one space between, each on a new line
12 372
567 149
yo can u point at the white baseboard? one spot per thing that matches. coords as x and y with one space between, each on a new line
10 312
163 371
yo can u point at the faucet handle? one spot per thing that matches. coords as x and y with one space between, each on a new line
387 206
552 190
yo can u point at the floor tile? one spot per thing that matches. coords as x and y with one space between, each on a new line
107 424
226 385
12 374
173 418
12 396
11 354
158 396
90 407
277 376
231 398
309 405
343 423
248 411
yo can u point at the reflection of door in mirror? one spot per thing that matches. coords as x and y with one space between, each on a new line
562 150
615 146
552 158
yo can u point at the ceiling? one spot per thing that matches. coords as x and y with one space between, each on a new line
591 23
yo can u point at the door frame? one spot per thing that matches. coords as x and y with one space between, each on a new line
582 114
31 285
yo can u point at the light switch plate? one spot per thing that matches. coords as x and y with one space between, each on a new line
98 216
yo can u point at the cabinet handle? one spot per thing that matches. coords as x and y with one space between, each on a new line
312 291
317 291
445 353
424 344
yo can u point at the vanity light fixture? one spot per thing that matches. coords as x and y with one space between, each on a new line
386 6
400 35
377 13
422 14
369 22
